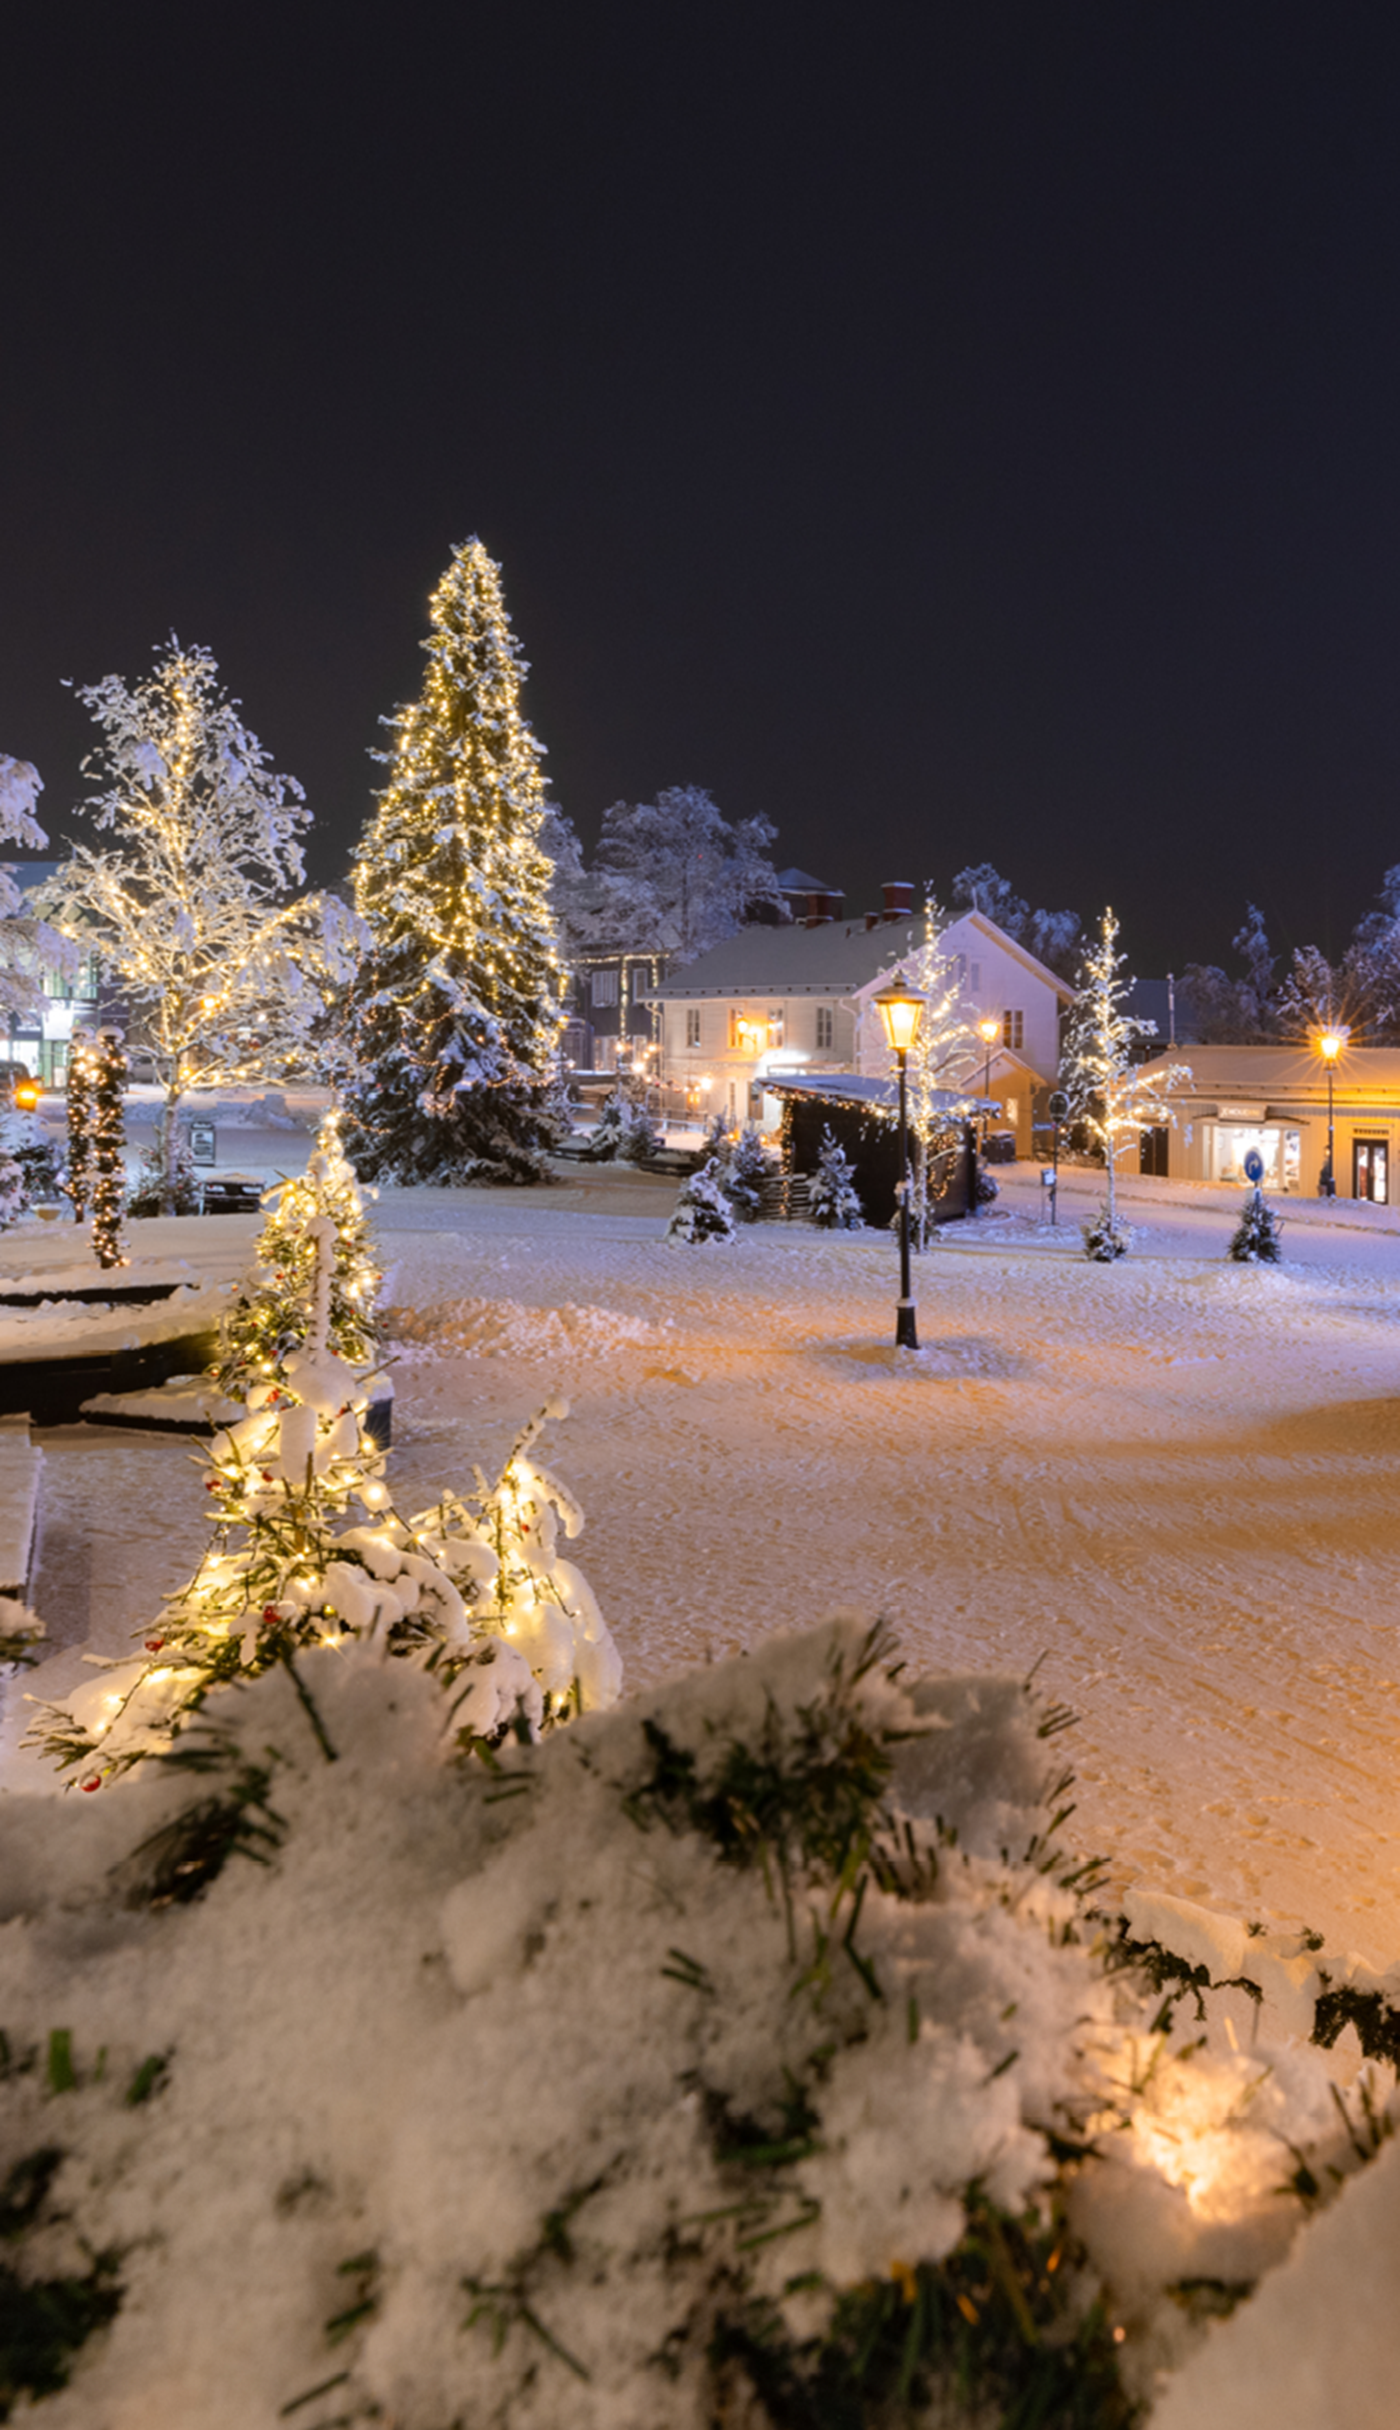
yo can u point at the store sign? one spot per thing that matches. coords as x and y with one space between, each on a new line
1241 1113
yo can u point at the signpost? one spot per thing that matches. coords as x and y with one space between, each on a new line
1058 1110
203 1143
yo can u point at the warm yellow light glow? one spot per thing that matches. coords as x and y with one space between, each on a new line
1330 1042
989 1029
901 1009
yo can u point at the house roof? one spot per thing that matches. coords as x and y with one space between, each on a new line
797 881
861 1088
841 958
833 960
1289 1071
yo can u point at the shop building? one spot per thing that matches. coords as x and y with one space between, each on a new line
1274 1100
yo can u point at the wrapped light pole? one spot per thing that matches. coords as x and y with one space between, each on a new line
901 1010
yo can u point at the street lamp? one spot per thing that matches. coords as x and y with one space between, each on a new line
988 1030
1329 1043
901 1008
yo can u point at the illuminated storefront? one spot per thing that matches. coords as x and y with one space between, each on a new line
1275 1100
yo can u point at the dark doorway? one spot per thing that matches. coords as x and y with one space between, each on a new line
1370 1169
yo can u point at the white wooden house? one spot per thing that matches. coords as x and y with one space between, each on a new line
800 998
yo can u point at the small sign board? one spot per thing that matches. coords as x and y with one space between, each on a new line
203 1143
1059 1106
1254 1167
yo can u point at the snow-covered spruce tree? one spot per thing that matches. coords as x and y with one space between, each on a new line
832 1198
1257 1239
1098 1072
702 1210
278 1305
454 1014
749 1163
108 1132
229 975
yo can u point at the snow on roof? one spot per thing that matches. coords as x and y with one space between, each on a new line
797 881
1290 1070
860 1088
832 960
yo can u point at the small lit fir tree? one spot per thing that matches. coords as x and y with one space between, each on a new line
1257 1239
702 1210
833 1199
1099 1073
279 1304
749 1163
454 1015
475 1588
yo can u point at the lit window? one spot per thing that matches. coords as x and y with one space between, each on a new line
1013 1026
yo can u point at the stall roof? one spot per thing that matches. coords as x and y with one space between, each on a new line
863 1088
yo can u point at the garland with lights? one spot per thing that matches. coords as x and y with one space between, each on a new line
454 1015
108 1132
82 1072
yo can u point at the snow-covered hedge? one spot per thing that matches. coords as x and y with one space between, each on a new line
745 2053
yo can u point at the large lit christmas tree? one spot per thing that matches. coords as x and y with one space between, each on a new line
455 1011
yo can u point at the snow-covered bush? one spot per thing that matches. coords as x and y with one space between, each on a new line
986 1189
1106 1237
767 2064
1258 1236
625 1130
157 1180
832 1198
702 1208
750 1162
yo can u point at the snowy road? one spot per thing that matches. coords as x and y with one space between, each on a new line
1175 1480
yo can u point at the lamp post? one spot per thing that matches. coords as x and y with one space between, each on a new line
901 1009
1329 1043
988 1030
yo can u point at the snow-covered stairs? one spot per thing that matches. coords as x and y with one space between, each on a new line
20 1464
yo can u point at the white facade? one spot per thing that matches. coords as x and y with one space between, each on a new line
789 999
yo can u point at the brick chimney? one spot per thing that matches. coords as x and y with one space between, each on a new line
899 899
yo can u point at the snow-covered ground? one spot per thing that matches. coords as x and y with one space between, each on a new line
1172 1482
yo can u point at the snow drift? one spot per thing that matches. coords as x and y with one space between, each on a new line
747 2051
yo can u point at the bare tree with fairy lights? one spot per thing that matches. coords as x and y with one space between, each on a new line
455 1009
192 905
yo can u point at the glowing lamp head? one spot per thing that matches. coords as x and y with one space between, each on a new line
1330 1041
989 1029
26 1095
901 1009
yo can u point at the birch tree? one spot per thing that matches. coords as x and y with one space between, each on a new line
1099 1067
229 973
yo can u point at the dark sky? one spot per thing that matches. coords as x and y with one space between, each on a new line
961 432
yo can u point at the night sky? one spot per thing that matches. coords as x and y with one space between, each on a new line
959 432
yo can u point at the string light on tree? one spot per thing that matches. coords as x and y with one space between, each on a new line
191 906
455 1013
1100 1077
82 1072
108 1060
